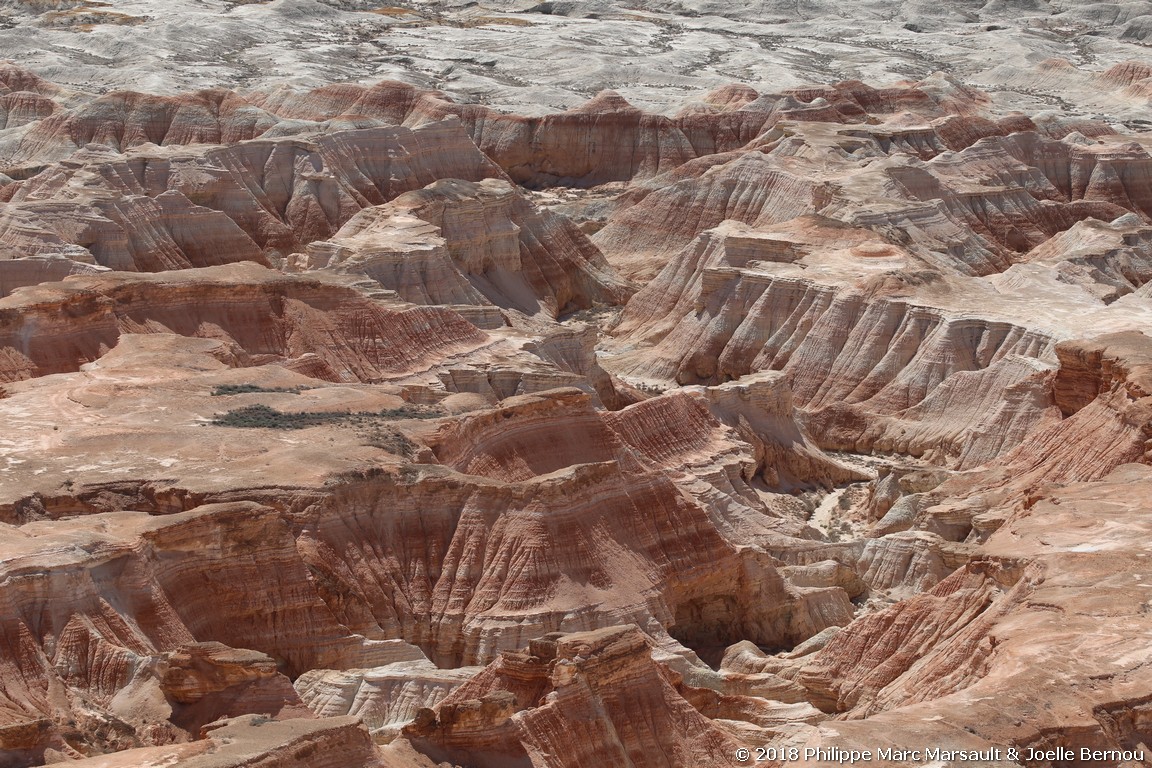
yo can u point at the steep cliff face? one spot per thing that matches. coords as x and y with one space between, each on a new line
1110 364
865 292
1024 616
542 515
19 273
601 687
330 597
750 188
607 139
495 572
356 426
385 698
156 209
457 242
101 634
873 369
603 140
972 212
259 314
1023 612
1103 386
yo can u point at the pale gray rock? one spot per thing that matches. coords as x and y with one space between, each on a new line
658 55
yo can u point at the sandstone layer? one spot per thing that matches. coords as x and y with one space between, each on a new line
565 384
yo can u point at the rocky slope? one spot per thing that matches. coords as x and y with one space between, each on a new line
492 493
154 209
563 384
456 242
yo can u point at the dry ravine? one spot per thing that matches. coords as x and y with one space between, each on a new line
748 383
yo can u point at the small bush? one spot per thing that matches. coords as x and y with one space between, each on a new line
261 416
391 440
411 412
265 417
244 389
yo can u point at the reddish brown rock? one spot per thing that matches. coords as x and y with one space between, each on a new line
1014 647
604 140
1104 387
1105 365
600 687
209 681
457 242
159 209
868 176
362 550
238 506
18 273
259 314
134 675
256 742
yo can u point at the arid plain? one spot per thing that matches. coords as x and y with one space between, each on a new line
575 384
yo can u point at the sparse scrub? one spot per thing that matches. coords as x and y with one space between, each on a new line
266 417
390 440
244 389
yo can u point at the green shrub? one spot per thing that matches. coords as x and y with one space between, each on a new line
244 389
270 418
266 417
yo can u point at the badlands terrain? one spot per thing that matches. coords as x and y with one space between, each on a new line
575 383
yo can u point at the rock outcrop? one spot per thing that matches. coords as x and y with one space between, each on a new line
259 315
384 698
396 387
1021 617
970 210
457 242
605 139
160 209
601 687
256 741
542 515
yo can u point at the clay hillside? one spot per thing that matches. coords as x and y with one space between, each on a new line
575 384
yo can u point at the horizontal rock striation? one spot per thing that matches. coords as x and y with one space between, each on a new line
603 140
1106 428
862 361
365 425
600 686
1022 616
508 532
457 242
484 592
384 698
259 314
118 646
156 209
974 211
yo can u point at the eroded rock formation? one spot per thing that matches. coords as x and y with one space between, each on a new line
355 562
155 209
368 425
600 687
259 315
456 242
